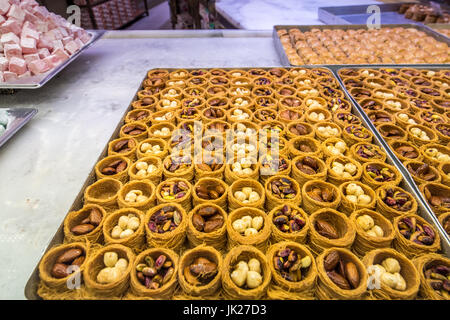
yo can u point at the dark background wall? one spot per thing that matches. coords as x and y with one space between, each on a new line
57 6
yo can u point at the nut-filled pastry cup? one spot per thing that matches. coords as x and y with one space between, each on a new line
124 147
95 263
347 206
115 167
148 147
436 195
270 165
288 223
366 152
342 169
306 168
353 133
405 151
364 241
210 229
175 190
327 289
329 228
136 240
152 173
138 115
301 145
156 230
377 173
85 224
50 287
125 199
191 285
318 194
232 174
230 289
393 201
283 289
239 185
299 128
427 262
258 240
138 291
281 189
422 172
435 154
137 130
178 167
210 191
414 236
103 192
381 290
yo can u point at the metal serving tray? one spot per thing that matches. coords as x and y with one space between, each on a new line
38 81
436 27
33 282
18 118
285 61
415 190
358 14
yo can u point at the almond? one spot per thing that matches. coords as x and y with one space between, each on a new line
78 261
114 164
204 167
352 274
82 229
198 222
331 260
213 225
122 166
109 171
327 195
69 255
128 129
310 162
206 211
327 230
339 280
120 145
135 132
59 271
131 143
305 169
95 217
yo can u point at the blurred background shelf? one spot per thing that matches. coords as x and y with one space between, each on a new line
110 14
204 14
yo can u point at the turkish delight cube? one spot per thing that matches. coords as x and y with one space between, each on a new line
17 65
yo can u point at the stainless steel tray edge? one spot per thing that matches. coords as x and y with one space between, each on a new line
432 218
279 48
335 14
438 26
22 117
96 35
327 17
285 61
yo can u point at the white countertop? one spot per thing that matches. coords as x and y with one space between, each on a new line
45 164
264 14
